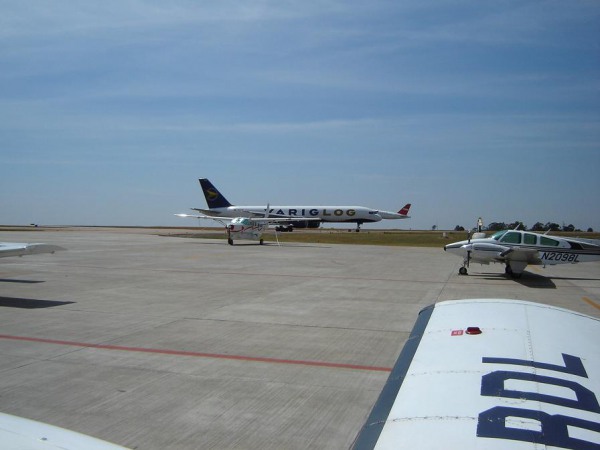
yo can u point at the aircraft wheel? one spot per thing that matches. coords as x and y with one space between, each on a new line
463 271
261 241
230 241
508 271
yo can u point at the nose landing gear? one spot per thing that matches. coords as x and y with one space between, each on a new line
463 269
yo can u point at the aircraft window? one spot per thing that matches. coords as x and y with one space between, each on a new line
511 237
529 239
246 222
548 242
498 235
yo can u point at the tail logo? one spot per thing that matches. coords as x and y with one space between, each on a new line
212 194
404 211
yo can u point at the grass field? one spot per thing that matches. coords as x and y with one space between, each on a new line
379 237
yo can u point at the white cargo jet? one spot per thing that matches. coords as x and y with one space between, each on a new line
248 228
517 249
491 374
297 216
18 249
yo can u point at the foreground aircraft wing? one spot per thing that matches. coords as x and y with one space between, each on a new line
254 215
21 249
207 212
24 434
222 220
284 219
253 219
495 375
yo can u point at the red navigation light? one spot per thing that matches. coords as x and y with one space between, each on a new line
474 330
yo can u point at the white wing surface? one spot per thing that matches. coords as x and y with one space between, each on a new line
17 433
20 249
492 374
222 220
266 220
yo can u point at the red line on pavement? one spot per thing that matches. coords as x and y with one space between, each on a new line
197 354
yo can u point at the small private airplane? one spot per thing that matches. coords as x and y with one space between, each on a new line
247 228
517 249
21 249
297 216
491 374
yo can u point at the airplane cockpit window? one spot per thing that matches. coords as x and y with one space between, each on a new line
498 235
246 222
548 242
529 239
511 237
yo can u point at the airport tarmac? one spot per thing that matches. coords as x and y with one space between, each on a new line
155 342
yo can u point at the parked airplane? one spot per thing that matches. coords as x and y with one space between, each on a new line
18 249
250 228
516 249
298 216
491 374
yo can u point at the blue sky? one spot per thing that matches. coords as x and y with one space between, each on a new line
111 111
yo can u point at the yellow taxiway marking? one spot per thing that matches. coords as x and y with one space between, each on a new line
591 302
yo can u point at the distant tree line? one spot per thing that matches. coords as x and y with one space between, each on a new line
539 226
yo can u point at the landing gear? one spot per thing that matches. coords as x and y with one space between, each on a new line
508 271
230 241
358 224
466 262
261 242
284 229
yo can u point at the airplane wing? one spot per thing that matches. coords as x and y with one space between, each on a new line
491 374
523 255
24 434
207 212
284 219
222 220
254 215
21 249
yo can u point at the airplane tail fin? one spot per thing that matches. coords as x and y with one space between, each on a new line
214 199
405 209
